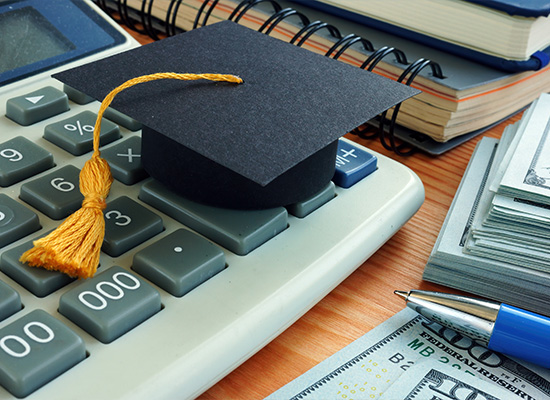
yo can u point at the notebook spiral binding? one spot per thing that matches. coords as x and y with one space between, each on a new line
382 127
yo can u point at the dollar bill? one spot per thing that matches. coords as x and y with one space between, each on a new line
441 382
515 242
515 236
509 229
450 264
530 295
371 365
528 218
527 176
508 143
483 244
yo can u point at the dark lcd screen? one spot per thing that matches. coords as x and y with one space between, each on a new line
28 37
38 35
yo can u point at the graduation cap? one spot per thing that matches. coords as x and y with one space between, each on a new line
270 141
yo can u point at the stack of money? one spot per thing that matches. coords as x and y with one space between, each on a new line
495 241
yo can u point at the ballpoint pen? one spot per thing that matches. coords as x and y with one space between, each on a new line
499 327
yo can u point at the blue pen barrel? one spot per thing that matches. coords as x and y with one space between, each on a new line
522 334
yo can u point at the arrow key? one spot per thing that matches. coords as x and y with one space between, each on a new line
37 106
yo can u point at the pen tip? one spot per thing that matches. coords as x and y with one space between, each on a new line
402 294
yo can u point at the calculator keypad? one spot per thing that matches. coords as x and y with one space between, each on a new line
37 105
56 194
122 119
77 96
38 281
10 301
75 134
352 164
179 262
20 159
240 231
306 207
16 220
35 349
110 304
124 158
128 224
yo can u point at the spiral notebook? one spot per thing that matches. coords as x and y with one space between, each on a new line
460 99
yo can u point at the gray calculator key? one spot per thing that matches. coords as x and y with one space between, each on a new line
38 281
10 301
110 304
128 224
20 159
16 221
75 134
37 106
36 349
56 194
240 231
306 207
122 119
77 96
125 161
179 262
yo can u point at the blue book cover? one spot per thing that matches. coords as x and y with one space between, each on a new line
535 8
531 8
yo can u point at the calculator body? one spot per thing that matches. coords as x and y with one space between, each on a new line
192 341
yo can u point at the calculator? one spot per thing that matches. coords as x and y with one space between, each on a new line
184 292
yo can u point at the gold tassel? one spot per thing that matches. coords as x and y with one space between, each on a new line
74 247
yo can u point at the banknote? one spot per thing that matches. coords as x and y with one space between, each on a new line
515 236
378 360
522 242
532 218
527 176
530 295
441 382
521 253
508 144
450 265
515 242
522 229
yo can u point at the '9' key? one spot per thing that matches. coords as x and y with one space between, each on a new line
20 159
110 304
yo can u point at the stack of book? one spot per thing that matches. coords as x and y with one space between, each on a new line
495 240
494 62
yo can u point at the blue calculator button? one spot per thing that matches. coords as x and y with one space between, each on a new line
352 164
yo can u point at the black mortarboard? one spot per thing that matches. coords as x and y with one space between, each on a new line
267 142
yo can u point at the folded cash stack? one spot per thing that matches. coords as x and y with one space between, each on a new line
495 241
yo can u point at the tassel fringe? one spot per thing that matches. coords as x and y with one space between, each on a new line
74 247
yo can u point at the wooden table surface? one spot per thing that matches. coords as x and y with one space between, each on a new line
365 299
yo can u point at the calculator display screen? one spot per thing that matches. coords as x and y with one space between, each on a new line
28 37
38 35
